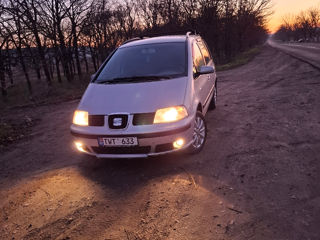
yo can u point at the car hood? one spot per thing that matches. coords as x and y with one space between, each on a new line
141 97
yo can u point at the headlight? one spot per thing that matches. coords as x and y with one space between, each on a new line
171 114
80 118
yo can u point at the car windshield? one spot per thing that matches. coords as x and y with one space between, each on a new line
149 62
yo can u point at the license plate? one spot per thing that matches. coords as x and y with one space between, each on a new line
125 141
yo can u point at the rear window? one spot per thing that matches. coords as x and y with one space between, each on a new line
162 59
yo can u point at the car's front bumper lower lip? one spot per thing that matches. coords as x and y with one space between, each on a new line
145 139
138 155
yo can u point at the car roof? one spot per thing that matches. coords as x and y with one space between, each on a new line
161 39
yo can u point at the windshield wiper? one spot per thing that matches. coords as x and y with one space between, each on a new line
134 79
104 82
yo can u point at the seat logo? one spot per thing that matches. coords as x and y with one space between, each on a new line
117 122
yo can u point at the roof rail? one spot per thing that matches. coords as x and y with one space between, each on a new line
193 32
133 39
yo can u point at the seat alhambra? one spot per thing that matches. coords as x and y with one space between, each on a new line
148 98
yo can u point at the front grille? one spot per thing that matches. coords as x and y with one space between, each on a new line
164 147
122 150
118 121
96 120
143 118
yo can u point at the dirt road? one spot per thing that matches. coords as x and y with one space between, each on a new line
258 176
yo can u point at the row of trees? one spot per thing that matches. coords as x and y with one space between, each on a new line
59 39
302 27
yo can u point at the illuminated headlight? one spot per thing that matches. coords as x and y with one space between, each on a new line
171 114
80 118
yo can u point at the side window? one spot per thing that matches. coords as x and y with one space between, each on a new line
205 52
198 60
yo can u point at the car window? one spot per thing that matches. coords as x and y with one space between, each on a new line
198 60
160 59
205 52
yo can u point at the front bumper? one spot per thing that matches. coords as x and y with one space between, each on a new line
151 143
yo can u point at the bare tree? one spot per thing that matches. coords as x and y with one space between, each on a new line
50 34
126 16
55 13
302 27
314 19
28 12
76 12
150 13
17 36
3 40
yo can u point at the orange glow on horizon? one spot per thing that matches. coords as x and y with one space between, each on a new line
282 8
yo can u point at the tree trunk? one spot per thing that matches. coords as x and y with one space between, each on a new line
37 68
76 52
24 69
2 77
70 61
8 65
51 66
58 70
85 58
34 63
72 64
43 59
64 57
93 59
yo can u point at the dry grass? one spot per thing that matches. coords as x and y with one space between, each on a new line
241 59
18 95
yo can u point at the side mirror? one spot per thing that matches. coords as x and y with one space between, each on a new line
206 70
92 77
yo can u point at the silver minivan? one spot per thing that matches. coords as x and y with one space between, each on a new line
148 98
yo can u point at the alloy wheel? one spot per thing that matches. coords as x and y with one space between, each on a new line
199 132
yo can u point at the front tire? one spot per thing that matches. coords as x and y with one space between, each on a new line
199 134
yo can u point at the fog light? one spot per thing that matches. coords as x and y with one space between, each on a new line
79 146
179 143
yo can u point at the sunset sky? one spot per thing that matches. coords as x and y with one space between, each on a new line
283 7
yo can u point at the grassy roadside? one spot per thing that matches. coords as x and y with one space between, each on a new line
241 59
59 92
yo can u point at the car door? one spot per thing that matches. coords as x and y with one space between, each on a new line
200 81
